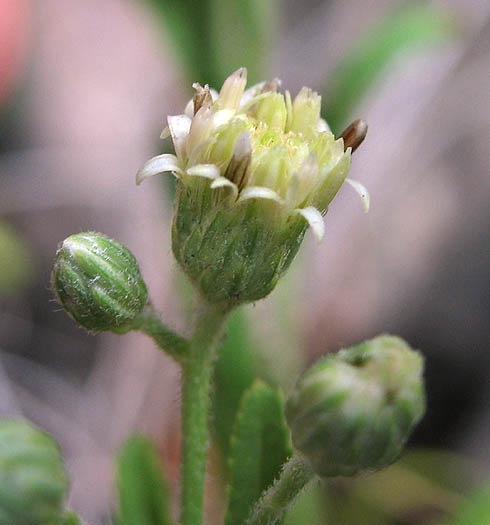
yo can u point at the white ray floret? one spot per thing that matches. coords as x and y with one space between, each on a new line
209 171
259 192
362 191
160 164
315 221
179 126
223 182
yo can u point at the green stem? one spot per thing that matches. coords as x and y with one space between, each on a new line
196 379
294 477
173 344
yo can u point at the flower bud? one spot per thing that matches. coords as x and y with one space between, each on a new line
353 411
98 282
33 482
256 169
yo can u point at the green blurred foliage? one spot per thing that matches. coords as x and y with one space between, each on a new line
71 519
260 446
214 37
474 511
242 33
143 491
420 488
411 28
16 262
234 373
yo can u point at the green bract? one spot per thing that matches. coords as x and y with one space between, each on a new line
354 411
33 483
255 168
98 282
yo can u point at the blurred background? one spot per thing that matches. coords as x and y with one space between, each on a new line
85 88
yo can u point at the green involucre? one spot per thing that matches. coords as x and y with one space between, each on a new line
33 482
98 282
354 411
233 253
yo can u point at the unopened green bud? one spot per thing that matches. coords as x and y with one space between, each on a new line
33 482
256 169
353 411
98 282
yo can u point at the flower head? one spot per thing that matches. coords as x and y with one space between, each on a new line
259 144
255 169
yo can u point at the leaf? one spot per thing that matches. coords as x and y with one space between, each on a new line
259 448
475 511
234 373
213 38
143 493
444 468
242 34
398 491
406 29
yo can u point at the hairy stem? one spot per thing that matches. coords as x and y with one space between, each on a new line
173 344
294 477
196 378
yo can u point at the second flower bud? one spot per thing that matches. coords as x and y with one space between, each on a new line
98 282
353 411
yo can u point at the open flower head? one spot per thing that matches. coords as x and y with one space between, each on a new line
250 156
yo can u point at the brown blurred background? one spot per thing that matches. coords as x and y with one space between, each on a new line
84 91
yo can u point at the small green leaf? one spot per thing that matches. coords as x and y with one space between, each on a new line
412 27
143 492
260 446
475 511
212 38
234 373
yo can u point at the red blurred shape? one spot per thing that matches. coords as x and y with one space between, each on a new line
15 16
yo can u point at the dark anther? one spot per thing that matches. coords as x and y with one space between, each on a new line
354 134
271 85
202 97
239 167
